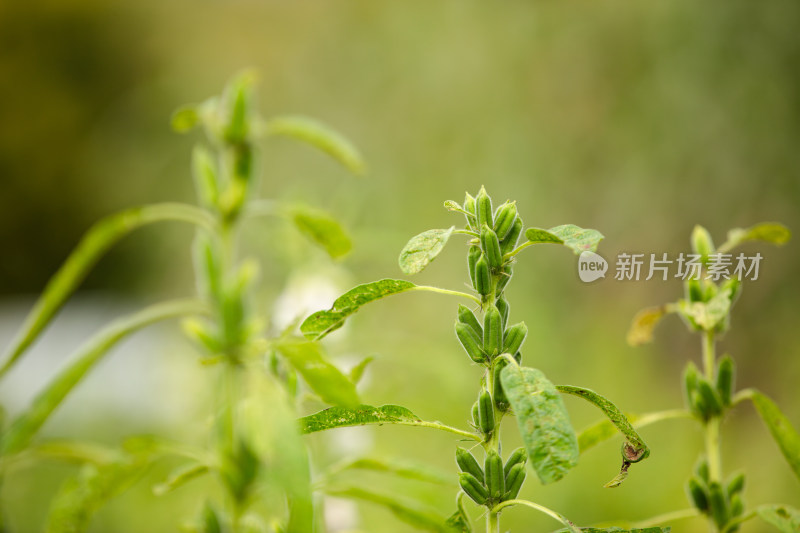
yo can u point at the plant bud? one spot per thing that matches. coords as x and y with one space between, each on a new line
718 504
736 484
492 331
701 469
472 260
467 463
726 375
483 209
508 243
473 488
466 316
694 291
500 399
470 341
737 508
504 219
697 494
491 247
735 286
504 308
515 336
514 480
504 276
518 456
711 400
485 413
494 475
483 279
702 243
476 414
690 376
469 207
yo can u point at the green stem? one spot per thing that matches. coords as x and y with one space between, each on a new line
712 427
442 427
447 291
542 509
493 522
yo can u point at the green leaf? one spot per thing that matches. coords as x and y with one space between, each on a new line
604 429
321 375
709 314
645 321
322 229
779 426
337 417
784 518
185 118
28 423
423 249
542 420
410 512
771 232
402 469
321 137
321 323
621 530
357 372
94 244
179 477
577 239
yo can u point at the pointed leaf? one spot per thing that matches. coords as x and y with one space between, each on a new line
321 375
771 232
781 429
402 469
707 314
185 118
783 517
321 323
322 229
321 137
645 321
357 372
410 512
337 417
179 477
542 420
423 249
579 240
620 530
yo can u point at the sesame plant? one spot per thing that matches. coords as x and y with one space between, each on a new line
493 344
253 450
710 391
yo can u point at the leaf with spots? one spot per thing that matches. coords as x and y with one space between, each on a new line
573 237
422 249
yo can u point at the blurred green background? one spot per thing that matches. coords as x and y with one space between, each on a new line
639 119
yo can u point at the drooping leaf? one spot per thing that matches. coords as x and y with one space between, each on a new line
771 232
402 469
786 519
422 249
645 321
459 522
321 375
357 372
410 512
785 436
337 417
321 137
604 429
577 239
707 315
179 477
321 323
542 420
322 229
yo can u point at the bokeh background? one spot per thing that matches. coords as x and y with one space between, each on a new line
639 119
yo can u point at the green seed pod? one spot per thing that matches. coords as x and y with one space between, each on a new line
472 260
718 504
466 316
467 463
510 241
491 247
504 219
492 331
697 494
514 480
469 207
503 277
518 358
485 413
701 469
500 398
483 279
476 415
473 488
483 209
504 308
737 508
517 457
702 243
736 484
514 337
694 292
470 341
726 375
494 475
690 376
698 406
710 398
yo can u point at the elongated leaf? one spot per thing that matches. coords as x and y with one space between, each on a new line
321 375
604 429
542 420
783 517
781 429
322 229
179 477
337 417
357 372
402 469
577 239
771 232
410 512
29 422
321 137
321 323
94 244
422 249
645 321
621 530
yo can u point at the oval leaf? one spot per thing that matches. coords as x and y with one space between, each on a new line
783 517
322 229
321 323
771 232
579 240
338 417
781 429
321 137
542 420
321 375
423 249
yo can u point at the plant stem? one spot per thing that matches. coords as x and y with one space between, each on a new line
448 292
542 509
493 522
712 427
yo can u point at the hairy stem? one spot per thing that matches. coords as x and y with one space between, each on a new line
712 428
